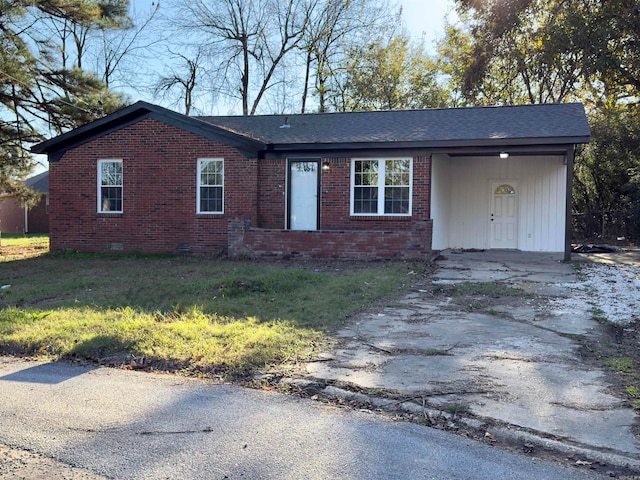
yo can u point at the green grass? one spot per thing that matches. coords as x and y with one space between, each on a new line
634 395
457 408
621 365
27 240
18 247
598 315
191 341
200 314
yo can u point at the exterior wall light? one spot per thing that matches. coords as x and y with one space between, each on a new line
504 155
326 166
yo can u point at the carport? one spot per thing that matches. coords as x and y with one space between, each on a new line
507 185
487 202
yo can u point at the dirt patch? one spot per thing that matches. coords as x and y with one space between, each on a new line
479 297
20 253
18 464
617 350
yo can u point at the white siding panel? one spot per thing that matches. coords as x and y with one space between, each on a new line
462 197
542 206
470 209
440 201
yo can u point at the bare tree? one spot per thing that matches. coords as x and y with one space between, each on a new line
247 40
115 45
185 80
68 33
334 29
98 44
324 29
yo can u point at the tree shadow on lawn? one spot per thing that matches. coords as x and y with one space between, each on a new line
199 314
318 298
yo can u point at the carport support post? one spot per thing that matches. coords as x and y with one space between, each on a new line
569 204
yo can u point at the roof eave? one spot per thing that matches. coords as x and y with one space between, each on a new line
541 143
56 147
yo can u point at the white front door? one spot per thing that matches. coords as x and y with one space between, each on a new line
504 215
303 194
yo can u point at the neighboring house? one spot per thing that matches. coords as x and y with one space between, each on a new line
16 218
349 185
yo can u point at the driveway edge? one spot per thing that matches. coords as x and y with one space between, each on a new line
606 459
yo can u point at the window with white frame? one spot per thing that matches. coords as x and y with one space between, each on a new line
210 185
110 186
381 187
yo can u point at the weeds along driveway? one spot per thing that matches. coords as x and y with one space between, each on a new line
491 334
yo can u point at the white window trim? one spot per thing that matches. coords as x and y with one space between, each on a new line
99 191
381 185
198 185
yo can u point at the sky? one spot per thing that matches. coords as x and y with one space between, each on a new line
426 17
423 18
420 16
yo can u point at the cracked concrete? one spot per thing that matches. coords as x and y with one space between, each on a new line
511 358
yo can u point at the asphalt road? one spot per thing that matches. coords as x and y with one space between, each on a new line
131 425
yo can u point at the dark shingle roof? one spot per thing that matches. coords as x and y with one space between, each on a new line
437 125
452 128
39 183
55 147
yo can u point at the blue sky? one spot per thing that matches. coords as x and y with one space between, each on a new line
422 18
426 17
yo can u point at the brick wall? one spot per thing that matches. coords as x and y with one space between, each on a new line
272 194
159 203
159 193
38 217
245 241
335 195
340 235
11 215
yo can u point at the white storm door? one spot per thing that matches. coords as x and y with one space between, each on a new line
303 194
504 216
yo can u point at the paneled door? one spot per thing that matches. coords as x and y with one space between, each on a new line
303 194
504 215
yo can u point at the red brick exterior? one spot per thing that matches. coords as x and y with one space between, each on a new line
11 215
245 241
272 194
159 203
38 217
340 235
12 218
159 193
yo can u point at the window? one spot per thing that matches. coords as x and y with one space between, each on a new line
210 185
110 186
381 187
505 190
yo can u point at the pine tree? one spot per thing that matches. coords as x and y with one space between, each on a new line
39 93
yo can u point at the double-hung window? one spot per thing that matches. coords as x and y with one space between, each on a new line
381 187
210 185
110 186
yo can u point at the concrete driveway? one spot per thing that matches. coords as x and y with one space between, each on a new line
490 334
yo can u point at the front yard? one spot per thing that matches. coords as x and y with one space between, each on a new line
201 315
